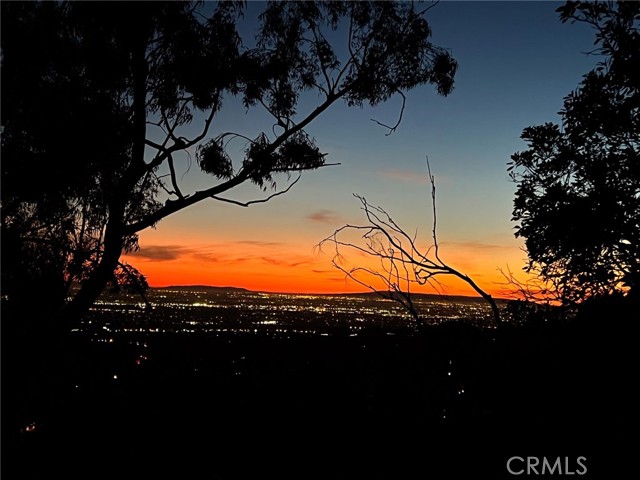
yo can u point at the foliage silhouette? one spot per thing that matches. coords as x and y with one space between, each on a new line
577 201
99 102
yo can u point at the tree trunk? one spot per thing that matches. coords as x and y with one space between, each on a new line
115 231
91 289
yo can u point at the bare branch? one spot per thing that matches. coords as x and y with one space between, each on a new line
280 122
352 56
262 200
431 5
432 180
395 127
315 32
233 136
179 144
533 290
163 186
393 291
174 181
402 263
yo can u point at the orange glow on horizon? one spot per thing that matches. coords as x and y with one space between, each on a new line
262 266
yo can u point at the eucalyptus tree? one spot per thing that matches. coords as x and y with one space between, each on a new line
100 100
577 201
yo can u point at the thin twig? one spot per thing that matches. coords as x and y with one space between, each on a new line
401 261
262 200
395 127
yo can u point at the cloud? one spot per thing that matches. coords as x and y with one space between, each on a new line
205 257
485 247
160 253
343 279
285 263
324 216
259 243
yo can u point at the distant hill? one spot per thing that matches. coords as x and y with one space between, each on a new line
200 288
432 296
421 296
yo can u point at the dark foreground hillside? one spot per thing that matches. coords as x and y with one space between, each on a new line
457 402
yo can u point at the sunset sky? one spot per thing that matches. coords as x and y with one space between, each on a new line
516 63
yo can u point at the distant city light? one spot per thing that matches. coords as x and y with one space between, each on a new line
29 428
273 314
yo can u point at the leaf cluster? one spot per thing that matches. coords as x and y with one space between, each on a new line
577 201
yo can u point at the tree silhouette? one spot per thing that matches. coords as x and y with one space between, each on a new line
402 263
99 104
578 186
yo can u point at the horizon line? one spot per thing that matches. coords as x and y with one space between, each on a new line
364 292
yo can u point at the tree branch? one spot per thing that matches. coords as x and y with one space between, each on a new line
401 261
164 152
135 282
322 66
397 124
262 200
174 181
432 180
173 206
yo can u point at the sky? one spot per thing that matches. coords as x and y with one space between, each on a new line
516 63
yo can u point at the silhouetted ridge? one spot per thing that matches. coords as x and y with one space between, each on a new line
423 296
426 296
202 288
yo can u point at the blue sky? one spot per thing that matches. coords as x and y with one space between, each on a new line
516 63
